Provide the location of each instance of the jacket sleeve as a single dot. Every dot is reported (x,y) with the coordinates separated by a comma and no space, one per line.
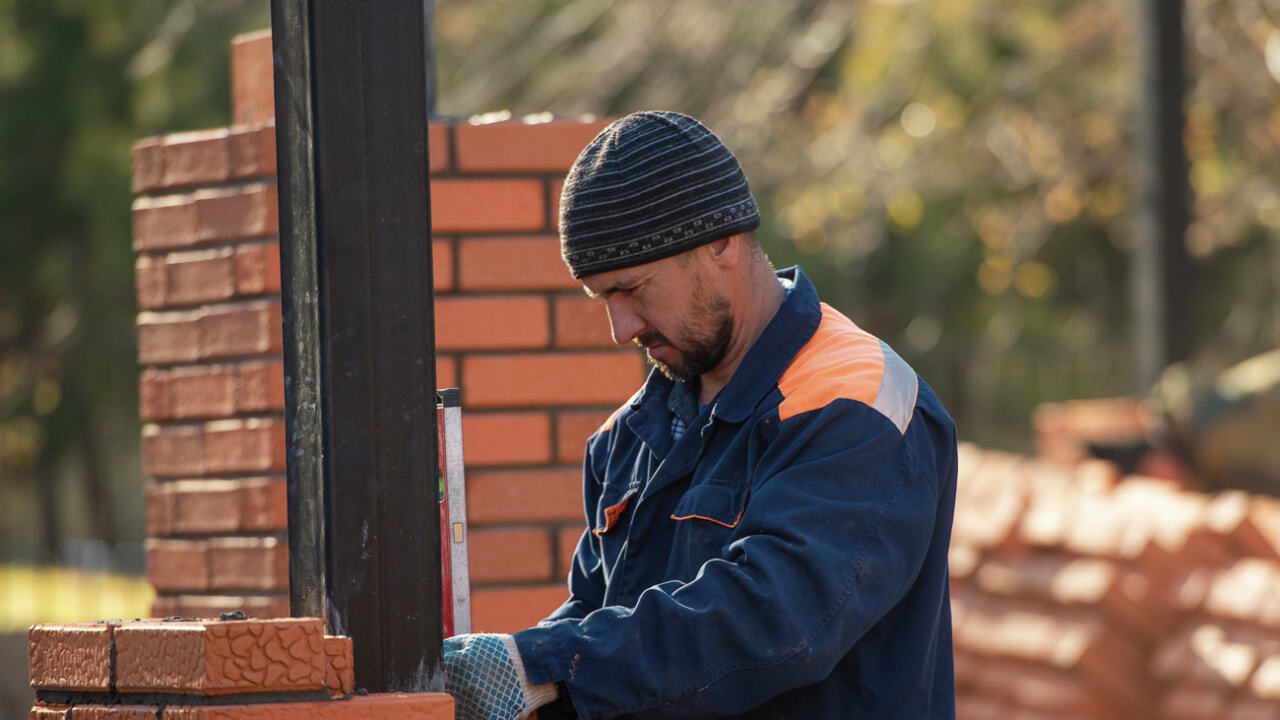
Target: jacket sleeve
(586,579)
(838,522)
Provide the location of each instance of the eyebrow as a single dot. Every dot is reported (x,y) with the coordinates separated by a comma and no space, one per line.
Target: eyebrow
(626,284)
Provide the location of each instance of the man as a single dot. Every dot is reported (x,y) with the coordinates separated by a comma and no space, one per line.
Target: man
(768,517)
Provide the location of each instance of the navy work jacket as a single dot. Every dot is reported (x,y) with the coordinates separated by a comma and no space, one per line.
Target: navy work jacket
(785,558)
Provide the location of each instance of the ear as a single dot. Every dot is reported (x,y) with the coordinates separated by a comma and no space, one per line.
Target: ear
(725,251)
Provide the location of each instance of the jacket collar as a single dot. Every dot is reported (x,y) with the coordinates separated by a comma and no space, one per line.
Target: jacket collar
(795,322)
(791,327)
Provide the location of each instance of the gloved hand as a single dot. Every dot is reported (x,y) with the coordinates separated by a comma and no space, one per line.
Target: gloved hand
(486,678)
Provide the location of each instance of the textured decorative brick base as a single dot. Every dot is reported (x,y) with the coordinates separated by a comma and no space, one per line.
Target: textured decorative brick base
(206,670)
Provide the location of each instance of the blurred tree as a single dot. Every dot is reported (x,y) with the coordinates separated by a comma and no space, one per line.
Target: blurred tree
(80,80)
(957,175)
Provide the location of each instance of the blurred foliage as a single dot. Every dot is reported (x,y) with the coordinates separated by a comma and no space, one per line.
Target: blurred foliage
(30,595)
(957,175)
(80,80)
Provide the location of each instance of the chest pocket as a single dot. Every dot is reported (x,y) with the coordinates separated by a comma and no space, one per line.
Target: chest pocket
(705,520)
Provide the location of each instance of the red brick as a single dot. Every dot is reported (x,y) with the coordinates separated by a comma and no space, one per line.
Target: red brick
(515,263)
(257,268)
(1205,655)
(1265,683)
(446,371)
(581,322)
(1244,590)
(248,564)
(172,450)
(148,164)
(47,711)
(962,563)
(264,505)
(573,427)
(196,158)
(1064,430)
(515,496)
(253,151)
(509,554)
(158,509)
(169,337)
(244,446)
(516,438)
(1192,703)
(492,323)
(260,386)
(217,658)
(1039,688)
(243,329)
(339,666)
(163,222)
(152,280)
(212,606)
(389,706)
(1254,710)
(566,543)
(508,610)
(206,391)
(518,146)
(252,80)
(555,190)
(203,507)
(178,565)
(487,205)
(442,265)
(551,379)
(1058,638)
(980,708)
(199,276)
(69,657)
(1250,523)
(153,395)
(1063,580)
(438,145)
(114,712)
(239,213)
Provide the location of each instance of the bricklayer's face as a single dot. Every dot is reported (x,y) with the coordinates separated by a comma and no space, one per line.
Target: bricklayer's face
(668,308)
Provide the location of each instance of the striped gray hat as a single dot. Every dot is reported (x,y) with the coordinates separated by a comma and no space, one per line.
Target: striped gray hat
(650,186)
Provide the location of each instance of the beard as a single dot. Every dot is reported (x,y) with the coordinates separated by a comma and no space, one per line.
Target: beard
(705,345)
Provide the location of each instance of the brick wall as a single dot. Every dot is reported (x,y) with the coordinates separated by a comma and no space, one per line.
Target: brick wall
(282,669)
(1081,593)
(532,355)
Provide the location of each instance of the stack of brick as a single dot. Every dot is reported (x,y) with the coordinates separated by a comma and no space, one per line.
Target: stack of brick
(532,355)
(1078,593)
(213,670)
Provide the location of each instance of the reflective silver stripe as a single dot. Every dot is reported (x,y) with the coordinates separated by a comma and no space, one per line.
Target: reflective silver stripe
(896,398)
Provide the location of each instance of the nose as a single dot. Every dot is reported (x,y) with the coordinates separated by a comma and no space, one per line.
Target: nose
(624,323)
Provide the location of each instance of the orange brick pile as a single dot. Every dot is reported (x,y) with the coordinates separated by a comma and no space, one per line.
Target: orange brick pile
(213,670)
(1077,593)
(532,355)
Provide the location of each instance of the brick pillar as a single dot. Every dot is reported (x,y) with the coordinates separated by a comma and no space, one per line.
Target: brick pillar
(531,353)
(216,670)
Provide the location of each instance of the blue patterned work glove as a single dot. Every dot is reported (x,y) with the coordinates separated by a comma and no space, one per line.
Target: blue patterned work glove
(486,678)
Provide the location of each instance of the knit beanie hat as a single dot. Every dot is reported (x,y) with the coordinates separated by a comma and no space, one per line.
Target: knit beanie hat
(649,186)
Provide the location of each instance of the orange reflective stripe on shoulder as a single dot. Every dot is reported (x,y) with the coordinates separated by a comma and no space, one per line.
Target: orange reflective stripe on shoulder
(842,360)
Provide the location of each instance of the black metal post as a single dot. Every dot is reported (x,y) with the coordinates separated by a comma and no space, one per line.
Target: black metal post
(351,99)
(1163,273)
